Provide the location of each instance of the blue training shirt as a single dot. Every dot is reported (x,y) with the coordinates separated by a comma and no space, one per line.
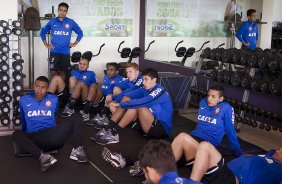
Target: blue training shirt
(213,122)
(258,169)
(174,178)
(37,115)
(248,32)
(157,100)
(126,86)
(109,83)
(88,77)
(61,34)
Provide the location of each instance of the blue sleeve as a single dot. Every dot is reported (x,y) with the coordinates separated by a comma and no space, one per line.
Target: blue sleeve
(78,31)
(94,80)
(74,73)
(133,94)
(240,32)
(22,118)
(142,102)
(123,84)
(230,130)
(44,30)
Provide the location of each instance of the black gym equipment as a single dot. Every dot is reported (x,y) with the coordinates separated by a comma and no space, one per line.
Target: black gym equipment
(5,97)
(18,65)
(17,86)
(274,61)
(17,31)
(3,23)
(17,76)
(261,112)
(4,49)
(4,67)
(16,56)
(4,119)
(4,108)
(16,23)
(4,39)
(3,57)
(4,77)
(4,87)
(76,56)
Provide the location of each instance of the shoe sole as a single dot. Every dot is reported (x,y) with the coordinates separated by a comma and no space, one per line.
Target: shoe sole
(107,156)
(80,161)
(49,165)
(110,142)
(65,116)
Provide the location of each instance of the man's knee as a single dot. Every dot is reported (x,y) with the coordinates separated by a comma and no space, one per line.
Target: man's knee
(205,146)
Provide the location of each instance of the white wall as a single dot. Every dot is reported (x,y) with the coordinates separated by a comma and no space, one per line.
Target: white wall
(8,10)
(266,29)
(277,13)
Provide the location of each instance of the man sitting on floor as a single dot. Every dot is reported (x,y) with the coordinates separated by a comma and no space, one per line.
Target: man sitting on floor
(209,167)
(79,84)
(97,95)
(157,160)
(150,107)
(39,130)
(215,117)
(132,82)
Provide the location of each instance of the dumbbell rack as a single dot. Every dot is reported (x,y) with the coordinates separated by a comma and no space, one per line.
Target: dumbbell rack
(15,87)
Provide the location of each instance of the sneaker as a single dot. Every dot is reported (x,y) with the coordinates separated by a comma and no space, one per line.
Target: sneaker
(136,169)
(46,161)
(85,117)
(108,138)
(78,154)
(67,112)
(115,159)
(96,119)
(99,134)
(103,123)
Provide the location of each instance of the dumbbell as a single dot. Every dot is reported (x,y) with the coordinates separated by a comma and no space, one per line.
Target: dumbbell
(255,82)
(267,115)
(16,108)
(238,115)
(17,76)
(249,114)
(4,49)
(219,77)
(245,81)
(5,120)
(17,96)
(275,127)
(18,65)
(7,98)
(16,23)
(6,31)
(4,108)
(4,39)
(4,67)
(16,120)
(252,59)
(17,86)
(236,78)
(275,87)
(212,54)
(17,31)
(245,108)
(4,23)
(4,77)
(244,57)
(227,76)
(3,57)
(274,61)
(262,126)
(206,53)
(214,74)
(264,85)
(4,87)
(254,119)
(16,56)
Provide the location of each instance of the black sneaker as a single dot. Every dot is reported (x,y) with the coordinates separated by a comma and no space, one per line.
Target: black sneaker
(136,169)
(78,154)
(115,159)
(101,133)
(67,112)
(108,138)
(46,161)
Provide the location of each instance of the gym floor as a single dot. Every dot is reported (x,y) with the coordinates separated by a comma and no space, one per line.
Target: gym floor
(27,169)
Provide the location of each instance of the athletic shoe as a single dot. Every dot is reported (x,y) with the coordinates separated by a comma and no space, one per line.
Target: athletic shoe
(67,112)
(46,161)
(85,117)
(115,159)
(96,119)
(78,154)
(103,123)
(99,134)
(108,138)
(136,169)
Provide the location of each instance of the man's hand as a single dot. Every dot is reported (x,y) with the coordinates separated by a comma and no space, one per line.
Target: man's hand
(109,98)
(247,44)
(49,46)
(113,106)
(73,44)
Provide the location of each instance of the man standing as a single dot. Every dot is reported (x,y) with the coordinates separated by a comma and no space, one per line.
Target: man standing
(248,32)
(61,29)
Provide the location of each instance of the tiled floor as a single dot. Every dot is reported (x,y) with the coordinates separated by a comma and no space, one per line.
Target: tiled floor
(262,138)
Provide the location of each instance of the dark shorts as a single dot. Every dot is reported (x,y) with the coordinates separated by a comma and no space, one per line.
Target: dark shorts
(59,62)
(219,174)
(156,131)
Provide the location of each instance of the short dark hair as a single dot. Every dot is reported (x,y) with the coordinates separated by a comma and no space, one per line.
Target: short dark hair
(218,88)
(151,72)
(114,64)
(158,154)
(250,12)
(63,4)
(43,79)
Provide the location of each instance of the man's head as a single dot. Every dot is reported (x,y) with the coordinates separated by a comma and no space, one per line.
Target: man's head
(63,10)
(40,87)
(112,69)
(83,64)
(132,71)
(278,155)
(252,15)
(150,78)
(215,95)
(156,159)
